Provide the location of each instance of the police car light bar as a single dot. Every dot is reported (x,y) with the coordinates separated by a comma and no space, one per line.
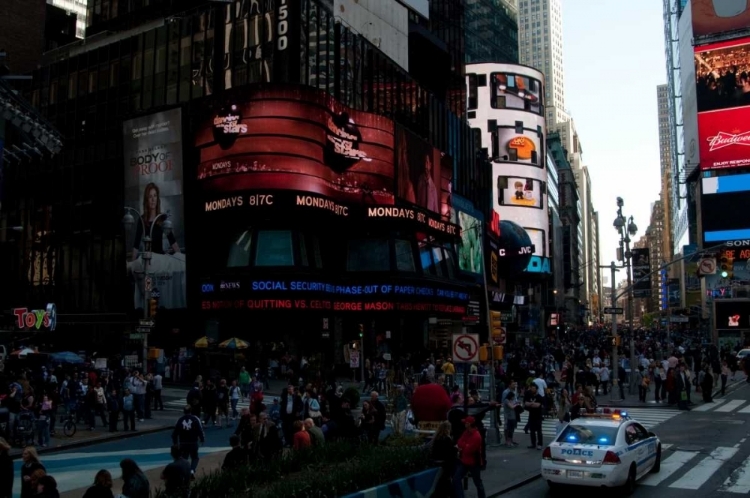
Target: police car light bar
(609,413)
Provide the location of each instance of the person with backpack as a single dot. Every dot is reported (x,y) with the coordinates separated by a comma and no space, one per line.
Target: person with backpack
(187,432)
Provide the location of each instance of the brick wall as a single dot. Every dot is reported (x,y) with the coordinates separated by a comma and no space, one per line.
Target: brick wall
(22,33)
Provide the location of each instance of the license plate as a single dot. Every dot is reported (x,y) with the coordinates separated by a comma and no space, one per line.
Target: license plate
(575,474)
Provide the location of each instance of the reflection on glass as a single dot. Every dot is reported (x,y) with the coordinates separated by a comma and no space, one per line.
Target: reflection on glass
(404,256)
(368,255)
(275,248)
(239,251)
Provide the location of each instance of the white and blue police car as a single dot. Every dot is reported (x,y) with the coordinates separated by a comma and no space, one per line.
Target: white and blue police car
(606,449)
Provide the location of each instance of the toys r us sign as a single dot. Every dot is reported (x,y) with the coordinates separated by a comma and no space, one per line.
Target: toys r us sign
(36,319)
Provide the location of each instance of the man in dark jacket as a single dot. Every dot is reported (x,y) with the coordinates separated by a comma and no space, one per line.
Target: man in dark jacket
(186,434)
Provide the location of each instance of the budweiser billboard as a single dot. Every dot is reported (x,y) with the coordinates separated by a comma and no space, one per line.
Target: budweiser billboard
(722,72)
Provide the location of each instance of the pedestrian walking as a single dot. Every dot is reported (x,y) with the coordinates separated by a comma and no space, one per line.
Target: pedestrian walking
(128,410)
(30,465)
(187,432)
(6,470)
(158,386)
(469,459)
(176,475)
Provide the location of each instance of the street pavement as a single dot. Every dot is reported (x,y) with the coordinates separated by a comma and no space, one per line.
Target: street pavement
(706,451)
(75,469)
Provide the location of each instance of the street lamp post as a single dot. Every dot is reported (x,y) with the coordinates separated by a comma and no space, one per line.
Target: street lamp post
(129,221)
(626,228)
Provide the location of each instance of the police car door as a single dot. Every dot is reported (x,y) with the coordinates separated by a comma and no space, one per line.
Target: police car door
(637,450)
(647,449)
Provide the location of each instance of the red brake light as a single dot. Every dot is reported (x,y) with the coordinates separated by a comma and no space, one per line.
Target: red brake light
(547,454)
(611,458)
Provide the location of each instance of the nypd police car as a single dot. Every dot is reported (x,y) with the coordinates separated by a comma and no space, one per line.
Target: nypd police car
(607,449)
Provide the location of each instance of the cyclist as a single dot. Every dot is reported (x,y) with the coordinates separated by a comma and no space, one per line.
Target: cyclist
(187,432)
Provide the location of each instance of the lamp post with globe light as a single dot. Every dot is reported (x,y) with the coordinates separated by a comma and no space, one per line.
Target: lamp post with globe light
(128,220)
(626,228)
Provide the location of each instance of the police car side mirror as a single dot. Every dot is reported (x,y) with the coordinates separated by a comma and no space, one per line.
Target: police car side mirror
(651,434)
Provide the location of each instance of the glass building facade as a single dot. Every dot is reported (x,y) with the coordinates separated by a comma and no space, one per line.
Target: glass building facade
(491,31)
(143,56)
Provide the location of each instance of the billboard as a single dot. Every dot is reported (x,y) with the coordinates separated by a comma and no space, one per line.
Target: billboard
(515,91)
(517,191)
(283,147)
(519,141)
(722,197)
(152,148)
(717,16)
(673,293)
(731,314)
(424,174)
(722,72)
(641,264)
(469,249)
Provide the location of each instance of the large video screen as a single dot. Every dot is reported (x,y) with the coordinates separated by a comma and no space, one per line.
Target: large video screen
(424,173)
(722,72)
(514,91)
(717,16)
(517,191)
(724,199)
(297,139)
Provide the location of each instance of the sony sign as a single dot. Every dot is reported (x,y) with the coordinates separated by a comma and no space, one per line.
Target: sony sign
(738,243)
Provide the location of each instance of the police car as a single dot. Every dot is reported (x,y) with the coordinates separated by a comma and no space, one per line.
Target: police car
(606,449)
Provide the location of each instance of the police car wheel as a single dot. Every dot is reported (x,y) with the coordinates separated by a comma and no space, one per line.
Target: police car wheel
(657,463)
(629,486)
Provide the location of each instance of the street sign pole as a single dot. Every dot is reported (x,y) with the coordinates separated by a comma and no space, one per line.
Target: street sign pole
(615,374)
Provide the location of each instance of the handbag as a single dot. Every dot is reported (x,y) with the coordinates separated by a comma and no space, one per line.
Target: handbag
(683,396)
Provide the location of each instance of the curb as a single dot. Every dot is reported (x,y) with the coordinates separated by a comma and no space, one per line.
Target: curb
(93,441)
(515,485)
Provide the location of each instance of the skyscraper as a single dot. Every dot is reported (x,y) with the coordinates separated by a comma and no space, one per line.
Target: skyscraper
(491,31)
(665,149)
(540,43)
(79,8)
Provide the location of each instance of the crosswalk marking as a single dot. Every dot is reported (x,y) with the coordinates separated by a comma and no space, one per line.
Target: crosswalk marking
(698,475)
(732,405)
(709,406)
(739,480)
(669,467)
(745,410)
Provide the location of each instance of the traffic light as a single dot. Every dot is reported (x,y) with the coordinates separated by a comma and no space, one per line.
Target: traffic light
(152,305)
(361,330)
(727,265)
(497,353)
(496,323)
(483,352)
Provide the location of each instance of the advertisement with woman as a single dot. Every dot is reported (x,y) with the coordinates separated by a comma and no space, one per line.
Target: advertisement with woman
(154,203)
(424,174)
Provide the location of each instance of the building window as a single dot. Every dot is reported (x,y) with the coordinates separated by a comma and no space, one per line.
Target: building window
(368,255)
(239,251)
(275,248)
(404,256)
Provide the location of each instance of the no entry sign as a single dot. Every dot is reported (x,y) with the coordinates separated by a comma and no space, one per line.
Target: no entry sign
(465,348)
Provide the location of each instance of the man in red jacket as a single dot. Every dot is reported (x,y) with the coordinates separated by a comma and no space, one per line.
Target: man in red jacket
(469,459)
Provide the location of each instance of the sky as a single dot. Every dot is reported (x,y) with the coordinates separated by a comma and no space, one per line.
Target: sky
(613,57)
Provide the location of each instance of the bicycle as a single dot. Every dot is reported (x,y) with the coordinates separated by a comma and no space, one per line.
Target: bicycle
(69,425)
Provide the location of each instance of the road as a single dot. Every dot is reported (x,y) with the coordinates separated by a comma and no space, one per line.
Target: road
(74,469)
(706,453)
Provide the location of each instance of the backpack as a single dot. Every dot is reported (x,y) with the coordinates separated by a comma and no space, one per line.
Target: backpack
(314,405)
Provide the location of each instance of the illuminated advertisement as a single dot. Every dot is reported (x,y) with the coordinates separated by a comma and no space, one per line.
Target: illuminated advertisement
(424,174)
(152,148)
(732,314)
(522,200)
(519,192)
(297,294)
(723,93)
(673,293)
(469,249)
(641,264)
(717,16)
(292,147)
(514,91)
(519,143)
(722,195)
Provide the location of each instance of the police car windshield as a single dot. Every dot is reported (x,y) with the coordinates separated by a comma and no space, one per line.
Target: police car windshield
(587,434)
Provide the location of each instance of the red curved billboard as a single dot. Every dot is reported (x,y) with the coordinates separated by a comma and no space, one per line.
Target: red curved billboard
(297,139)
